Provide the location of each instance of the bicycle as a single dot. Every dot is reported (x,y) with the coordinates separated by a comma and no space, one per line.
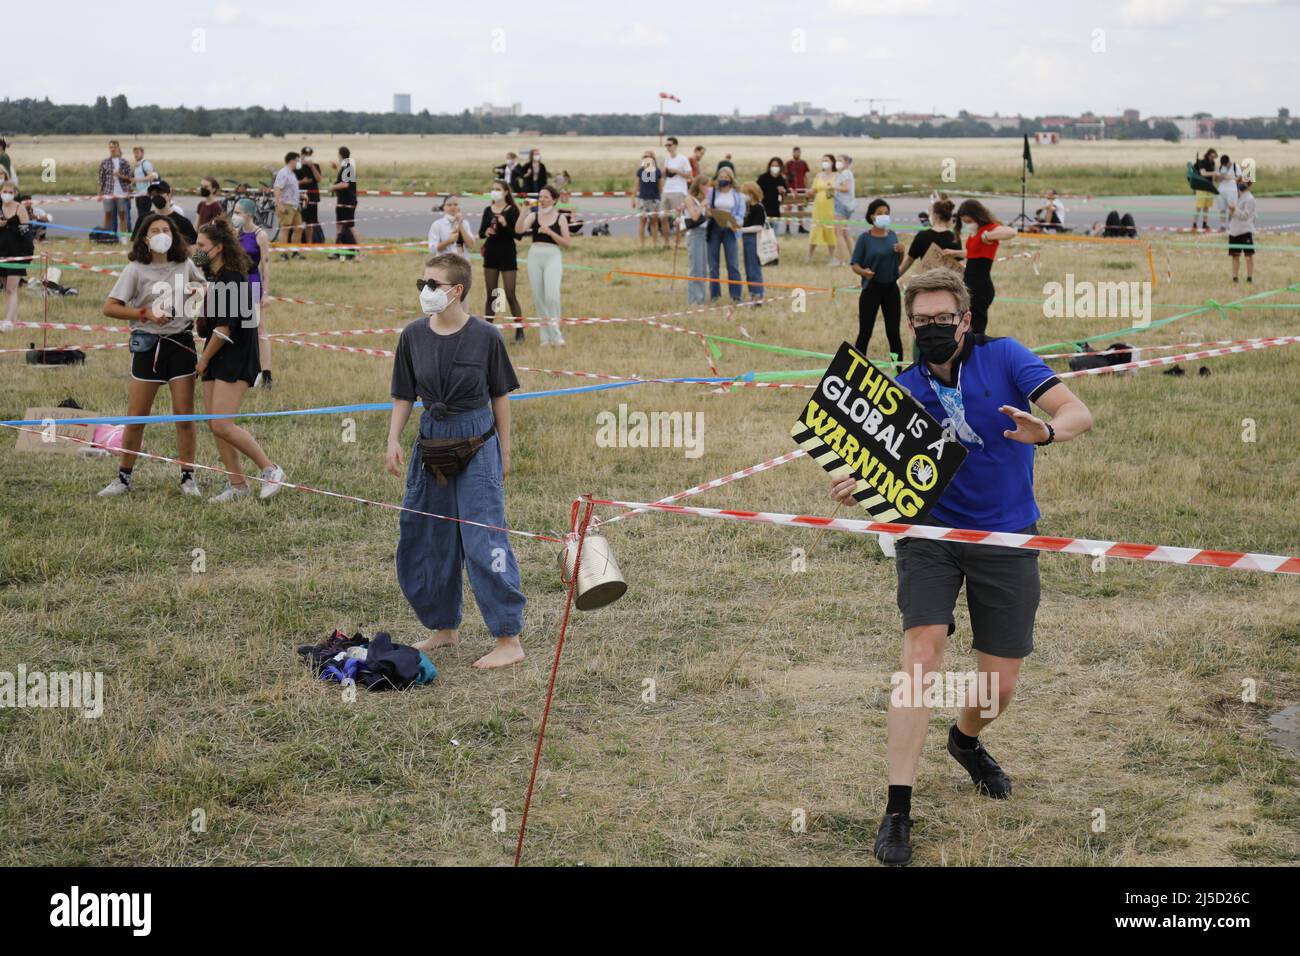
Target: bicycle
(264,197)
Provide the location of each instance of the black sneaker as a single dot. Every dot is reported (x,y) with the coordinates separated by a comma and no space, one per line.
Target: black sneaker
(519,335)
(894,840)
(983,769)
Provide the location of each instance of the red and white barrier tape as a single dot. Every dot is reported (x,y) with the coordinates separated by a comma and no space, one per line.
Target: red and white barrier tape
(1185,357)
(298,487)
(1158,348)
(1201,557)
(709,485)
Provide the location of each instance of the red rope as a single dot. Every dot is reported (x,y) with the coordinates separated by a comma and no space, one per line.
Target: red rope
(555,669)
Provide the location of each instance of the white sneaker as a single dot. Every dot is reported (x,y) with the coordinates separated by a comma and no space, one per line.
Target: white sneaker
(231,493)
(114,488)
(560,341)
(6,326)
(271,478)
(190,487)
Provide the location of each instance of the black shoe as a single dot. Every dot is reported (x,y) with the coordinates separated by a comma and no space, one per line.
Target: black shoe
(519,335)
(803,231)
(266,379)
(1175,371)
(894,840)
(983,769)
(298,255)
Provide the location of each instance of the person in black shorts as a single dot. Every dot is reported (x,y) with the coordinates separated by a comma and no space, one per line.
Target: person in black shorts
(309,176)
(980,389)
(229,363)
(1241,231)
(344,189)
(154,294)
(500,255)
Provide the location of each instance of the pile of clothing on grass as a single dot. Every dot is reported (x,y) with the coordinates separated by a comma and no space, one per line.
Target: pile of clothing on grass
(376,664)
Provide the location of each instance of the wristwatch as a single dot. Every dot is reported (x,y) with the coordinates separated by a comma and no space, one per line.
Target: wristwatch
(1051,435)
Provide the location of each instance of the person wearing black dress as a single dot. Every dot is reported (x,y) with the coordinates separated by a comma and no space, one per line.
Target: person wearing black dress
(500,258)
(229,362)
(15,240)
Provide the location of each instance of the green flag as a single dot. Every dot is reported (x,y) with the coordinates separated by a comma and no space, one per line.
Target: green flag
(1029,159)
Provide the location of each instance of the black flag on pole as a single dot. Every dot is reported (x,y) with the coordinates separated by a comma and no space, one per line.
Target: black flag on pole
(1029,159)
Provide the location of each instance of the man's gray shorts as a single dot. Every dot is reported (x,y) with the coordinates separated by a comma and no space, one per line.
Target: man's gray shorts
(1002,590)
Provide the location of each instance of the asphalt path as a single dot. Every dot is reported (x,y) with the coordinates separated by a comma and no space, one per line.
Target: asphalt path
(382,218)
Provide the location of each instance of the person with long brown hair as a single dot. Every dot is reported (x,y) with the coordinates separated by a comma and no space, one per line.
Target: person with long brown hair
(229,363)
(981,250)
(500,255)
(151,295)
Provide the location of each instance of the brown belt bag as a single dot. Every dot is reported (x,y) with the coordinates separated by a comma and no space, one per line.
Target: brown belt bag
(447,457)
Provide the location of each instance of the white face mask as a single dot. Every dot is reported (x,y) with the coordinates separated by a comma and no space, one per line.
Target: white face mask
(826,164)
(497,195)
(237,221)
(434,301)
(7,197)
(882,220)
(160,242)
(774,170)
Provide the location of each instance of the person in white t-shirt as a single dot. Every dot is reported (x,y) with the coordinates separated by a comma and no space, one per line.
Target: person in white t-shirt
(677,180)
(1226,179)
(451,233)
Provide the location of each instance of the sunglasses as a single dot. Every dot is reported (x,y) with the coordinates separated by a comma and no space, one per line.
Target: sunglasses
(423,284)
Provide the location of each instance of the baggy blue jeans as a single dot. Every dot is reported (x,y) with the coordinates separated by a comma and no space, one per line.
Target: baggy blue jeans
(724,241)
(431,552)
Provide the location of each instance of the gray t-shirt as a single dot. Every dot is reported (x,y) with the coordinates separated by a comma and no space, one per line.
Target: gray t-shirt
(143,283)
(463,371)
(286,180)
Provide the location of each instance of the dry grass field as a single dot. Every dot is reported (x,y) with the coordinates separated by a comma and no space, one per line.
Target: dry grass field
(463,163)
(1131,703)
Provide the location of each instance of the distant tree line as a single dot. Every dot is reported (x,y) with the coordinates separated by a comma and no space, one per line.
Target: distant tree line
(116,116)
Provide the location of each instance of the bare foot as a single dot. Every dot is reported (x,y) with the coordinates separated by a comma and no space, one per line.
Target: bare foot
(508,651)
(447,637)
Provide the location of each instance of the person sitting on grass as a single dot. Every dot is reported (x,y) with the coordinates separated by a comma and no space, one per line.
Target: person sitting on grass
(457,365)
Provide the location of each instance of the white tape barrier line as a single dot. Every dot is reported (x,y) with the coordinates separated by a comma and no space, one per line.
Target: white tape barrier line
(1201,557)
(709,485)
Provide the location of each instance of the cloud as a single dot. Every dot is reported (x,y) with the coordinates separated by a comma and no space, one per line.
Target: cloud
(1148,13)
(892,8)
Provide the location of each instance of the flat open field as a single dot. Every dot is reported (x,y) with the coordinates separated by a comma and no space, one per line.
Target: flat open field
(1131,703)
(464,163)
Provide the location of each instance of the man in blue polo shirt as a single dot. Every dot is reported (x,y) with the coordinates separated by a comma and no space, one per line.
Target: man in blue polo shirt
(979,388)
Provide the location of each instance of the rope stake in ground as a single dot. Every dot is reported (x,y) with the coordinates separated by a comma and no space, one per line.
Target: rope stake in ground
(1168,554)
(555,669)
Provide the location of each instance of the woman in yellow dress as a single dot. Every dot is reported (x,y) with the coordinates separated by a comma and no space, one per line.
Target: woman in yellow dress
(823,191)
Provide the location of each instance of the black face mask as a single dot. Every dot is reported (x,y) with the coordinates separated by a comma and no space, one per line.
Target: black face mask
(937,343)
(158,201)
(205,192)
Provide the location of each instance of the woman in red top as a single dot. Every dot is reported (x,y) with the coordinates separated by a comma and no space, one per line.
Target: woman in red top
(981,249)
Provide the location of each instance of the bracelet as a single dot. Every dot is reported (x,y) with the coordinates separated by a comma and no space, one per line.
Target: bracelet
(1051,435)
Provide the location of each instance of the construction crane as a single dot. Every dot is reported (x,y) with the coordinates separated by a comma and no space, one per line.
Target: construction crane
(871,101)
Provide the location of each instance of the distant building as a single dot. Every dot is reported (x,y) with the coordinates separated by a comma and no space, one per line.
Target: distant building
(488,109)
(1188,127)
(402,104)
(918,119)
(803,111)
(999,122)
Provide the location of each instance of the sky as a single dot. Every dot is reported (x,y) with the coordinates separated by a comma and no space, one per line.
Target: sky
(1033,57)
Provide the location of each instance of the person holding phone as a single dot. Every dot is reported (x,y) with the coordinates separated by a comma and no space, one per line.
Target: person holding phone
(500,256)
(154,295)
(451,233)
